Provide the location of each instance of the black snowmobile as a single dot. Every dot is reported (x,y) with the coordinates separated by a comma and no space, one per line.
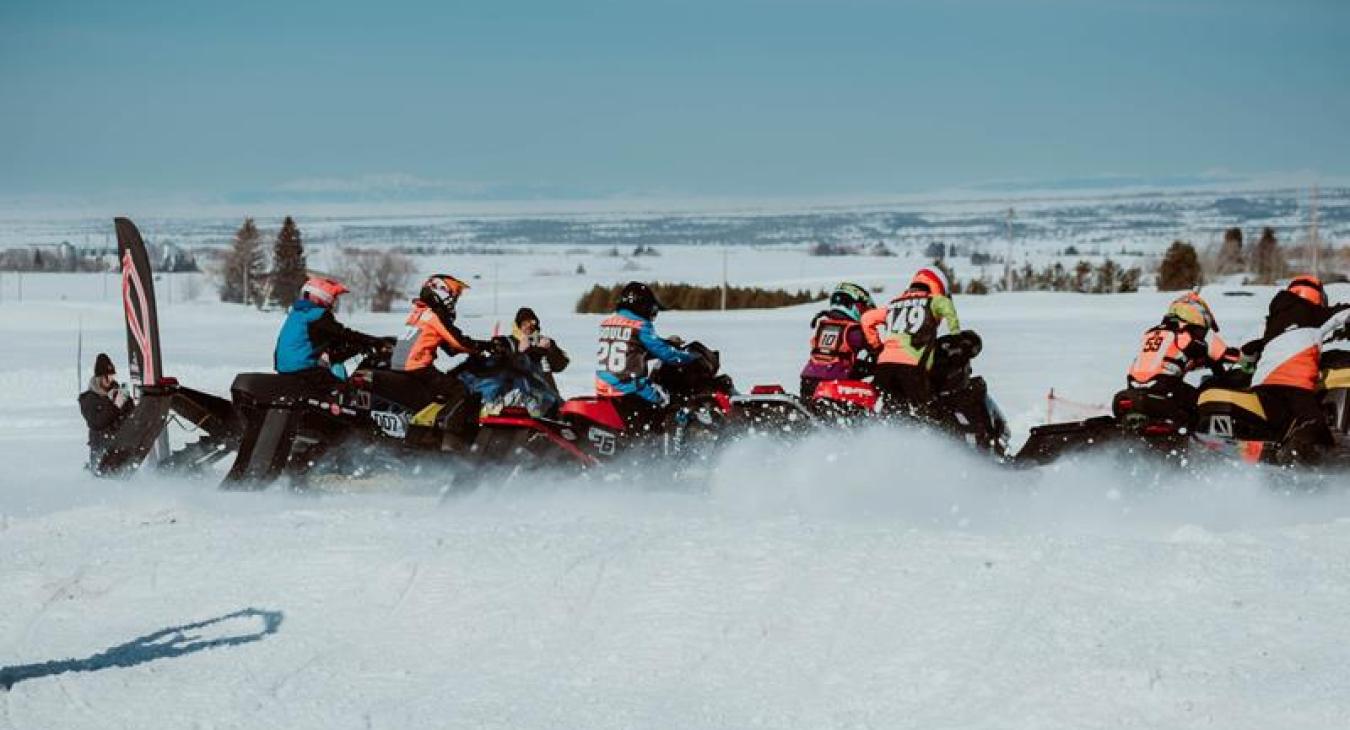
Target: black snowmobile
(1231,423)
(311,423)
(1227,420)
(963,403)
(1154,419)
(159,399)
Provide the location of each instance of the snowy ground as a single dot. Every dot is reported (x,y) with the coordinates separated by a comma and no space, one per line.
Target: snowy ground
(885,580)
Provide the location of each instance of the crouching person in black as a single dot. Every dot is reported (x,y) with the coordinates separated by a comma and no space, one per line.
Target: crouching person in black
(105,406)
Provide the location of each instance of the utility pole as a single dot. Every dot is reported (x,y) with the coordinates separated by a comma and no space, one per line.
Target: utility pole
(1007,262)
(724,280)
(1312,237)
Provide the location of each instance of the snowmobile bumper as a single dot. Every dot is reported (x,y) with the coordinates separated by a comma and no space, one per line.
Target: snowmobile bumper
(213,416)
(1050,442)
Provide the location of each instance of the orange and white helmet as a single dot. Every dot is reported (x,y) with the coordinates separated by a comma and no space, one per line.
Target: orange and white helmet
(441,290)
(323,291)
(1309,288)
(933,278)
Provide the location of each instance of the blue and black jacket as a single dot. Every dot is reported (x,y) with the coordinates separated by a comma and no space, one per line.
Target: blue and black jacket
(627,341)
(310,331)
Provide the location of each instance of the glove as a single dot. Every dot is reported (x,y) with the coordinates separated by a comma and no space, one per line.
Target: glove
(676,341)
(662,397)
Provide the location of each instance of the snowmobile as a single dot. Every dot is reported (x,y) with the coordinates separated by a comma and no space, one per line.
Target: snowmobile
(1227,420)
(963,405)
(311,423)
(1230,421)
(590,431)
(159,399)
(769,409)
(1153,418)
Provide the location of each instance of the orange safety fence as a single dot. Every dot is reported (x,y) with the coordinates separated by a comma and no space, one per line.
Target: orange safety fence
(1071,409)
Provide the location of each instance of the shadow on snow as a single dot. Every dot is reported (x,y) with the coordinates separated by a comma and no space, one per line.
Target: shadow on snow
(163,644)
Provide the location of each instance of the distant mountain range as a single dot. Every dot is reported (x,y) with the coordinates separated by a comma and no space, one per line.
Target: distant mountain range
(1137,221)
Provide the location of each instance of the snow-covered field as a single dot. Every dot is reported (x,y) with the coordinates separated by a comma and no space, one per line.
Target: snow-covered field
(881,580)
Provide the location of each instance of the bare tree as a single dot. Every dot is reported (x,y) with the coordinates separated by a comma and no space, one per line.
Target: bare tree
(1271,263)
(243,268)
(376,278)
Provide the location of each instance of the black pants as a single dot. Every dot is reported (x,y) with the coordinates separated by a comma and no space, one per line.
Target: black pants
(808,387)
(908,389)
(1296,416)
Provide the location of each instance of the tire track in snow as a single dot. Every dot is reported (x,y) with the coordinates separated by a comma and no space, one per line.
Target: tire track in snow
(407,588)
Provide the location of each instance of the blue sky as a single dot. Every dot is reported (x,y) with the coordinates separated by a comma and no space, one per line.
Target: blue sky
(575,99)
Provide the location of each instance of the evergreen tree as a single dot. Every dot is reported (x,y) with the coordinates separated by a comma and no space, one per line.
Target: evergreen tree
(243,267)
(288,264)
(1180,268)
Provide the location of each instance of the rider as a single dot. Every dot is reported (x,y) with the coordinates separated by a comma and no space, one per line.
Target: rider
(1288,364)
(1187,338)
(430,330)
(627,341)
(311,339)
(905,332)
(838,348)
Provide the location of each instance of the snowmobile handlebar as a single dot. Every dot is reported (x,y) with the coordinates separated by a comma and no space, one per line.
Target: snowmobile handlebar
(960,346)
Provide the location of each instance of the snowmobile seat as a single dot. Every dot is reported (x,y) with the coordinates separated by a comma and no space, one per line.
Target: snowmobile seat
(593,409)
(406,390)
(1336,359)
(1246,400)
(270,390)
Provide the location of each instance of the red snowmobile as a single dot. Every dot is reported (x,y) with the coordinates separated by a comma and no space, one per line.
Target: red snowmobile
(964,407)
(589,431)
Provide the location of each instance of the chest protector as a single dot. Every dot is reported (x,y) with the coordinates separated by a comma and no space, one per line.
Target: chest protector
(1161,352)
(621,352)
(910,319)
(829,344)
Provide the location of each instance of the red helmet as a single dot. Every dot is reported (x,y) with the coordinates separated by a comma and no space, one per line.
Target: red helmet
(323,291)
(1309,288)
(933,278)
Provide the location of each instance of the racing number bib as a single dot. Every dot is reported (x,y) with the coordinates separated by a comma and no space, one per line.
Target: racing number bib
(621,353)
(912,319)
